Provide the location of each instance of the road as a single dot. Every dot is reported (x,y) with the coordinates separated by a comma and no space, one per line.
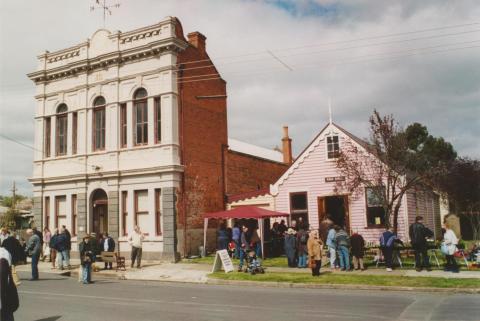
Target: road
(59,298)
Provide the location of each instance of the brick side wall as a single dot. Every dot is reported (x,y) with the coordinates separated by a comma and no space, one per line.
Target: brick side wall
(246,173)
(203,135)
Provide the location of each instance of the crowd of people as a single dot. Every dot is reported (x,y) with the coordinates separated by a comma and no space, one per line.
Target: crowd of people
(303,246)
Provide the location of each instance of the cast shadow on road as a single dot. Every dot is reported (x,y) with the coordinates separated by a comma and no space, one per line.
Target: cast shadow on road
(42,279)
(55,318)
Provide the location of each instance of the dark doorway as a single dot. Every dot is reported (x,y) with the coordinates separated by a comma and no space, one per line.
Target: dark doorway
(100,212)
(337,208)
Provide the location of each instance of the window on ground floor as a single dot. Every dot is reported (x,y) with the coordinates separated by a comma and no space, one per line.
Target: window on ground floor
(60,211)
(374,206)
(124,213)
(299,208)
(141,210)
(158,212)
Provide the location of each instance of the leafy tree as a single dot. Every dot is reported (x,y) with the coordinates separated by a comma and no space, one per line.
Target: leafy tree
(9,219)
(7,201)
(462,189)
(393,161)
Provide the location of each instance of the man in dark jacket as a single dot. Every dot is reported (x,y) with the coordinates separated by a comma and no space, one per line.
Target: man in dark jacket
(68,237)
(8,292)
(87,257)
(108,245)
(61,246)
(245,244)
(418,236)
(13,246)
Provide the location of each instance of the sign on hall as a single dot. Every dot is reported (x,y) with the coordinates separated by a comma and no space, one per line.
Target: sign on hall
(222,259)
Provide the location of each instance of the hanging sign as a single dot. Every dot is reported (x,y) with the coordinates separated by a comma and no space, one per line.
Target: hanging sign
(222,259)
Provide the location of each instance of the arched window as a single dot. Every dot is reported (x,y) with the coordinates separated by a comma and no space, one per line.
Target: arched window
(61,130)
(140,115)
(99,123)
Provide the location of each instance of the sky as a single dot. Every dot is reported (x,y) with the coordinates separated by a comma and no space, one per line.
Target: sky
(417,60)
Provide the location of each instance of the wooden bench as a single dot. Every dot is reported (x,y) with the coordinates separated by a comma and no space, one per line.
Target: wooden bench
(112,257)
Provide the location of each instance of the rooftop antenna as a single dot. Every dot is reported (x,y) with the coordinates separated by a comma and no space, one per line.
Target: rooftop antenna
(106,8)
(330,110)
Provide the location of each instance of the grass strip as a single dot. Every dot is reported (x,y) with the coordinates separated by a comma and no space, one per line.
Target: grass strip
(332,278)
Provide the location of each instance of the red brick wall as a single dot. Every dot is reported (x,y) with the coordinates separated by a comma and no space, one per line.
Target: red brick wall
(203,132)
(246,173)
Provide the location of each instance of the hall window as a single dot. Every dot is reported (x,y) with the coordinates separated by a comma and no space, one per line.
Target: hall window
(124,213)
(299,206)
(158,120)
(141,209)
(74,132)
(47,211)
(60,211)
(374,202)
(74,214)
(61,130)
(158,212)
(333,148)
(48,136)
(99,124)
(123,125)
(140,115)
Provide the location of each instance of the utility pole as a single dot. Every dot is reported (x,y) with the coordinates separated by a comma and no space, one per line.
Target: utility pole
(14,195)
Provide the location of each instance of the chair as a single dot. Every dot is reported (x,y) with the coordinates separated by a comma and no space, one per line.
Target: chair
(120,263)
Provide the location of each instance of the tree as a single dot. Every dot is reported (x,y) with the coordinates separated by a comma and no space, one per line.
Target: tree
(392,162)
(461,186)
(8,220)
(7,201)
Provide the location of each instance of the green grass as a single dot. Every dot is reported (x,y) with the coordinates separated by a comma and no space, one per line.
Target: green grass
(332,278)
(269,262)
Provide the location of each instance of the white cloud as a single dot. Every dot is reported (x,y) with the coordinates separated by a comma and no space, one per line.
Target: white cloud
(439,90)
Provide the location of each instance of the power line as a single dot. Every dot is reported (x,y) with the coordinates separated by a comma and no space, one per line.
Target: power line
(339,42)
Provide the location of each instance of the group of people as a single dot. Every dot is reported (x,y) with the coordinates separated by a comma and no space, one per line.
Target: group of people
(56,247)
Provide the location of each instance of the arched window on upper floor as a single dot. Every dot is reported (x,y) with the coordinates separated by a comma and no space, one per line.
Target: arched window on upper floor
(98,139)
(61,130)
(140,117)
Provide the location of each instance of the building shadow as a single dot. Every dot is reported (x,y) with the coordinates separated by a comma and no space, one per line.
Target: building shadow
(54,318)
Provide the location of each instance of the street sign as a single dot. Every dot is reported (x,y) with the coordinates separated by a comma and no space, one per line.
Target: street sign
(222,259)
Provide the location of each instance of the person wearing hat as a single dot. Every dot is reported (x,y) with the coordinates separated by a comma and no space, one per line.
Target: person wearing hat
(418,236)
(290,245)
(86,259)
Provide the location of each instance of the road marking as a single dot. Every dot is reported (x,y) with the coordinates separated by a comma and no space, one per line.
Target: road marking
(219,306)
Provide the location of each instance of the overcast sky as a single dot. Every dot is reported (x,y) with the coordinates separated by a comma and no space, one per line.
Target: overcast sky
(419,60)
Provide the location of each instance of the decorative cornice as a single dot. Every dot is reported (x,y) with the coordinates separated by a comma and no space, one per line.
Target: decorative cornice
(159,47)
(109,174)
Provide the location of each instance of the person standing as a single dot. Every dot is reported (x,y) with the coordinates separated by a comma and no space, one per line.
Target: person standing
(325,227)
(342,241)
(358,249)
(387,244)
(222,237)
(418,235)
(13,246)
(449,247)
(108,246)
(60,245)
(68,243)
(33,249)
(302,250)
(256,243)
(9,301)
(314,248)
(136,240)
(53,250)
(236,234)
(332,247)
(86,259)
(290,245)
(245,246)
(47,236)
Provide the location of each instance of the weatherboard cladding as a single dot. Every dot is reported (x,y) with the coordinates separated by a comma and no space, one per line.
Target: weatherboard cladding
(308,175)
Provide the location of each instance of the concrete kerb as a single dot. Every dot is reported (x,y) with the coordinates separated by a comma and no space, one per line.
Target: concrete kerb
(214,281)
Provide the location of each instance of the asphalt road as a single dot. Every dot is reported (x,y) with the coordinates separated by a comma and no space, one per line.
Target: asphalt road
(63,299)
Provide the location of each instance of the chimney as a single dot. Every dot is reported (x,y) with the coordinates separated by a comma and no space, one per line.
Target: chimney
(286,147)
(197,40)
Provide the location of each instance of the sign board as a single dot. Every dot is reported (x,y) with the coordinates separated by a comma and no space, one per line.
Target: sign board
(222,259)
(334,179)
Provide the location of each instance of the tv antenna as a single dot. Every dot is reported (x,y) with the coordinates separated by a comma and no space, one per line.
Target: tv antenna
(106,8)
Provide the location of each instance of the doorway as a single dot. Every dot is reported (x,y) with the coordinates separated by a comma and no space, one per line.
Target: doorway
(99,212)
(336,207)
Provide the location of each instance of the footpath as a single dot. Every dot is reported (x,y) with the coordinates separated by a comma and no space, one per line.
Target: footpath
(199,273)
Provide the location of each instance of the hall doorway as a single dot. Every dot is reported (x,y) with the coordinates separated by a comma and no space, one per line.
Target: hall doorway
(337,208)
(99,212)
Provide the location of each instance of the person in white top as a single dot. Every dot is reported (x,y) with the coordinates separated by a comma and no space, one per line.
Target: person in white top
(450,241)
(135,240)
